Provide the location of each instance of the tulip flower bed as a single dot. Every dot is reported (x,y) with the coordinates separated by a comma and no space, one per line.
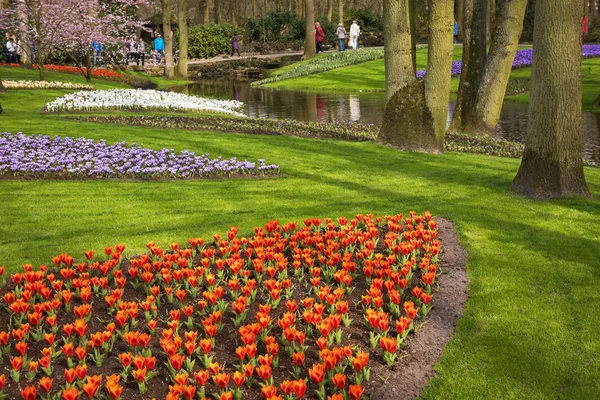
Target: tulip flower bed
(44,85)
(41,156)
(140,100)
(312,310)
(523,58)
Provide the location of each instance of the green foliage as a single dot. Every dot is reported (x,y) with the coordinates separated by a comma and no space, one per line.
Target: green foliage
(527,35)
(274,26)
(206,41)
(593,30)
(325,63)
(367,19)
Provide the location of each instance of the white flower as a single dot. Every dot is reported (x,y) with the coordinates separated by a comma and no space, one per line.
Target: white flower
(140,100)
(43,85)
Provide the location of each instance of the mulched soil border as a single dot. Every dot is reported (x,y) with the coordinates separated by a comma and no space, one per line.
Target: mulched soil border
(411,374)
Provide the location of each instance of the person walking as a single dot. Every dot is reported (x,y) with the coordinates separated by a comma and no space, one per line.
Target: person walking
(319,37)
(141,52)
(354,34)
(341,35)
(97,52)
(159,48)
(235,44)
(11,49)
(455,32)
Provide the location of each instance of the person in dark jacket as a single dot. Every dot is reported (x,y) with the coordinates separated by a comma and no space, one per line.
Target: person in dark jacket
(319,37)
(235,44)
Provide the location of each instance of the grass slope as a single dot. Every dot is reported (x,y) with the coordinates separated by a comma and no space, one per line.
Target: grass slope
(370,76)
(530,327)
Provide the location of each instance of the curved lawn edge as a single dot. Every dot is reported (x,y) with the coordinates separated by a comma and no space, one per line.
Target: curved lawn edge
(411,375)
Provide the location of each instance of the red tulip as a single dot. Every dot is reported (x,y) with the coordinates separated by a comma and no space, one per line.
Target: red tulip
(299,388)
(355,391)
(29,393)
(70,394)
(317,372)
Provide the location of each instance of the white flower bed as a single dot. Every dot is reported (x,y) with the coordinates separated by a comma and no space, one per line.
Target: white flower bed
(140,100)
(43,85)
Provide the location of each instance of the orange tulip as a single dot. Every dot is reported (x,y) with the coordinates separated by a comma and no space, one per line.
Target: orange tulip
(355,391)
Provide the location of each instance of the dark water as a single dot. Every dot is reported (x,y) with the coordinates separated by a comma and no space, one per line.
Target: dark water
(364,108)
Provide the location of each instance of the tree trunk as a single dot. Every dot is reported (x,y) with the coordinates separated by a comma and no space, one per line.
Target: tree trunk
(254,8)
(593,6)
(460,16)
(413,32)
(491,20)
(329,10)
(182,63)
(340,11)
(399,69)
(24,47)
(552,164)
(310,49)
(216,11)
(168,38)
(473,61)
(485,117)
(407,122)
(439,65)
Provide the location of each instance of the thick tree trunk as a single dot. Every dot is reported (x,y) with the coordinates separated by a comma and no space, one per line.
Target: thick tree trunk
(473,61)
(460,16)
(552,164)
(399,69)
(439,66)
(182,63)
(484,119)
(254,8)
(408,122)
(340,11)
(491,20)
(168,38)
(310,48)
(329,10)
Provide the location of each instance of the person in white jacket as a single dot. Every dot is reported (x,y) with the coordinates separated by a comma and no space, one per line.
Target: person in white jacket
(354,34)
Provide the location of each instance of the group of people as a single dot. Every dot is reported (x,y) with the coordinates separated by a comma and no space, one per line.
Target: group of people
(134,51)
(14,49)
(341,36)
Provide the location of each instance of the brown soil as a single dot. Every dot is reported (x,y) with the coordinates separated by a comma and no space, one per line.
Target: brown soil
(403,380)
(407,378)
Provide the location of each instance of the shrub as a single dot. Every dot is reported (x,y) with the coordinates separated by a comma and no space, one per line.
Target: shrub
(207,41)
(593,34)
(367,19)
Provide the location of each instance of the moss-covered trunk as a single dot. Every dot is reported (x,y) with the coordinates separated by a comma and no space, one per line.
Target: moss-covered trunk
(552,164)
(168,38)
(439,66)
(182,63)
(329,10)
(340,11)
(399,69)
(310,48)
(509,24)
(473,61)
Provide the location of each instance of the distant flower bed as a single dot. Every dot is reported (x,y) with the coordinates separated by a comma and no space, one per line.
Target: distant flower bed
(44,85)
(140,100)
(43,156)
(523,58)
(459,142)
(96,72)
(326,63)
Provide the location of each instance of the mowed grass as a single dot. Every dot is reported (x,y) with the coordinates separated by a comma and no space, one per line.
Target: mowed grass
(530,328)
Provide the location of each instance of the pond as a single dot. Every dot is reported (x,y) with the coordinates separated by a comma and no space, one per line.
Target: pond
(364,108)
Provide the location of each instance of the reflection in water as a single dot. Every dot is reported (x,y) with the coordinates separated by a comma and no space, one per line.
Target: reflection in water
(364,108)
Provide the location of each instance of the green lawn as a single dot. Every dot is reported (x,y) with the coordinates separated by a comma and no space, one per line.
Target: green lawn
(530,327)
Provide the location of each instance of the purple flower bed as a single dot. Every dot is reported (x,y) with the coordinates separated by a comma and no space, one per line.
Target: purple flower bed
(523,58)
(43,156)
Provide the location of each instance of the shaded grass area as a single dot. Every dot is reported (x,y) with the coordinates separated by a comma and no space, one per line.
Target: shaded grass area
(530,326)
